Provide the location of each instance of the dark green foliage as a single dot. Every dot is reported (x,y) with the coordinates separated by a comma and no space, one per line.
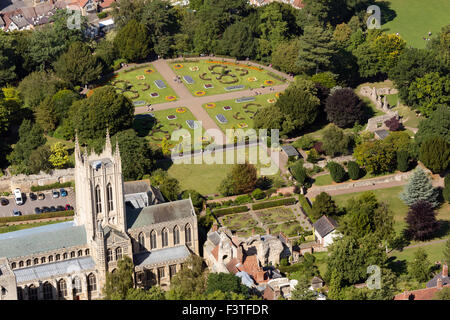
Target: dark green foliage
(447,252)
(438,125)
(241,179)
(132,42)
(302,291)
(258,194)
(323,205)
(420,268)
(30,217)
(121,281)
(238,41)
(344,108)
(435,154)
(275,203)
(354,171)
(304,203)
(39,160)
(305,143)
(223,212)
(337,171)
(197,199)
(56,185)
(403,160)
(225,282)
(299,172)
(335,141)
(446,190)
(169,187)
(421,220)
(443,294)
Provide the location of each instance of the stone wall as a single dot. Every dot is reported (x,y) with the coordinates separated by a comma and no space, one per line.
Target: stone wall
(24,182)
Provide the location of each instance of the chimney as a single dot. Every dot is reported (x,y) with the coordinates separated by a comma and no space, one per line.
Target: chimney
(439,283)
(240,254)
(445,270)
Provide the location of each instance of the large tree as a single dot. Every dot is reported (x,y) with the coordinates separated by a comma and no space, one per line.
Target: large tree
(133,41)
(344,108)
(420,267)
(376,156)
(435,154)
(225,282)
(121,281)
(335,141)
(438,124)
(421,220)
(419,187)
(190,282)
(323,205)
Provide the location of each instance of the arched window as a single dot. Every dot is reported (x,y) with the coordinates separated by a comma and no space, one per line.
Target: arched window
(153,240)
(62,288)
(79,253)
(50,258)
(86,252)
(109,255)
(28,262)
(32,293)
(72,254)
(118,253)
(13,265)
(36,261)
(76,285)
(57,257)
(20,264)
(176,235)
(43,260)
(92,283)
(48,291)
(65,255)
(141,240)
(98,200)
(109,194)
(165,238)
(188,234)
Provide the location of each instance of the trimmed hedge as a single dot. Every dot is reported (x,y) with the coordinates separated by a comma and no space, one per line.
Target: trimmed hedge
(55,185)
(223,212)
(68,213)
(276,203)
(305,204)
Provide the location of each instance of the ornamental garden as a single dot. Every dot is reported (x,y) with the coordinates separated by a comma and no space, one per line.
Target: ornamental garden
(210,77)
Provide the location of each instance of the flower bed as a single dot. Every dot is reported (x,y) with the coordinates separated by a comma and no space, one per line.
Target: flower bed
(178,66)
(252,79)
(181,110)
(148,71)
(140,77)
(210,105)
(208,86)
(276,203)
(271,100)
(171,98)
(171,117)
(200,93)
(154,94)
(227,108)
(269,82)
(195,68)
(242,125)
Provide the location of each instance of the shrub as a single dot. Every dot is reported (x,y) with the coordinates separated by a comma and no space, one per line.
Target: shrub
(313,156)
(318,146)
(117,64)
(55,185)
(393,124)
(446,190)
(305,143)
(337,172)
(354,171)
(223,212)
(271,204)
(304,203)
(402,160)
(102,15)
(299,172)
(435,154)
(243,199)
(258,194)
(30,217)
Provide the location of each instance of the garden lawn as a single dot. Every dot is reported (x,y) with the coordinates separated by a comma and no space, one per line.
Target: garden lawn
(323,180)
(195,69)
(412,120)
(415,18)
(434,251)
(275,215)
(204,178)
(290,228)
(143,87)
(241,113)
(238,221)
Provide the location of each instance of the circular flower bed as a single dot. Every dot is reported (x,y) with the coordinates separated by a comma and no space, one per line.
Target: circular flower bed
(271,100)
(171,98)
(141,77)
(178,66)
(195,68)
(210,105)
(181,110)
(269,82)
(149,71)
(200,93)
(154,94)
(242,125)
(171,117)
(252,79)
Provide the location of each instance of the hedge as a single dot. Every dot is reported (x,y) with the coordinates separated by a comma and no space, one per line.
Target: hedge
(305,204)
(68,213)
(223,212)
(55,185)
(276,203)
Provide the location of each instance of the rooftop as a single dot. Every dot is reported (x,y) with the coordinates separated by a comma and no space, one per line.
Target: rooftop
(290,150)
(325,225)
(161,256)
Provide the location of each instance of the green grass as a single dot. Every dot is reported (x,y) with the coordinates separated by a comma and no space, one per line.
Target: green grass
(239,221)
(434,251)
(274,215)
(323,180)
(409,115)
(17,227)
(238,111)
(415,18)
(290,228)
(204,178)
(144,95)
(218,87)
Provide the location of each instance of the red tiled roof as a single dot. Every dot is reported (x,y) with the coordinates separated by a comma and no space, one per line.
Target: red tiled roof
(231,266)
(421,294)
(268,294)
(215,252)
(106,3)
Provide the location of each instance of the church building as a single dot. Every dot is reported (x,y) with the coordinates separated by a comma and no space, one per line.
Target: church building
(113,219)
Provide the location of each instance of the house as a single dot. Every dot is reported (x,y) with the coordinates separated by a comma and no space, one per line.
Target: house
(290,152)
(316,283)
(16,20)
(325,230)
(433,286)
(85,6)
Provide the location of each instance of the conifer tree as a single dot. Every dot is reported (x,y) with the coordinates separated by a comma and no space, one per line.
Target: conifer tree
(418,188)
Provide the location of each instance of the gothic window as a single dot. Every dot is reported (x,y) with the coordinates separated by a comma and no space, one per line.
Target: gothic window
(57,257)
(98,200)
(13,265)
(141,240)
(28,262)
(62,288)
(165,238)
(161,272)
(72,254)
(118,253)
(76,285)
(86,252)
(43,260)
(48,291)
(92,283)
(36,261)
(80,253)
(176,235)
(20,264)
(188,234)
(172,270)
(32,293)
(65,255)
(50,258)
(109,255)
(153,240)
(109,194)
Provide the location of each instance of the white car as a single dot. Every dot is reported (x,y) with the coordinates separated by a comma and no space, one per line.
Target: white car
(18,197)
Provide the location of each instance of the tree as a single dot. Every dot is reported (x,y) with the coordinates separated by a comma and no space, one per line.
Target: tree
(326,79)
(59,156)
(421,220)
(419,267)
(121,281)
(393,124)
(447,252)
(323,205)
(443,294)
(302,291)
(403,160)
(438,124)
(335,141)
(435,154)
(154,293)
(241,179)
(39,160)
(344,108)
(429,92)
(170,188)
(354,172)
(190,282)
(446,190)
(376,156)
(299,172)
(105,108)
(238,41)
(225,282)
(383,223)
(132,42)
(418,188)
(337,171)
(197,199)
(284,56)
(78,65)
(8,110)
(316,49)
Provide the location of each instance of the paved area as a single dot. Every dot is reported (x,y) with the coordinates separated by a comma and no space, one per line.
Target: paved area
(29,205)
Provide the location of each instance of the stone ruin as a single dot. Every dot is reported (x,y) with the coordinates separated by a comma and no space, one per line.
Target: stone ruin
(375,94)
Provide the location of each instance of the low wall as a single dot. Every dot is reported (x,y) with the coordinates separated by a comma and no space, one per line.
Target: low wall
(24,182)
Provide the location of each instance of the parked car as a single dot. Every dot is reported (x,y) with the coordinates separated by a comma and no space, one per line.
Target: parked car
(37,210)
(16,213)
(45,209)
(68,207)
(60,208)
(33,196)
(55,194)
(52,209)
(63,192)
(41,196)
(18,197)
(4,201)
